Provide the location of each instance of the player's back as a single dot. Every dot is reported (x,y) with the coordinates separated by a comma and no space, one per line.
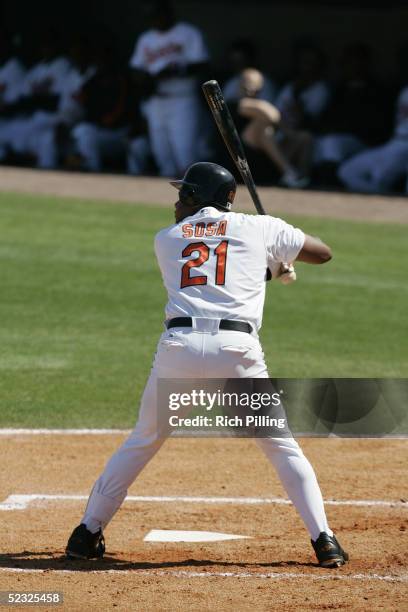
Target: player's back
(214,264)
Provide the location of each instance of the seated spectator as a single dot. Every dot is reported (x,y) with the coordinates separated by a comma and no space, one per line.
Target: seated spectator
(261,129)
(52,134)
(37,104)
(108,112)
(302,101)
(139,151)
(242,54)
(12,72)
(355,116)
(171,54)
(378,170)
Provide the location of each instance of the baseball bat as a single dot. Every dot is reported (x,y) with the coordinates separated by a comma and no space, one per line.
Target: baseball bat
(228,131)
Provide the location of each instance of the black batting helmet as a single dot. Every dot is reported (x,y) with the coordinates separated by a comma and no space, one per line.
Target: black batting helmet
(207,184)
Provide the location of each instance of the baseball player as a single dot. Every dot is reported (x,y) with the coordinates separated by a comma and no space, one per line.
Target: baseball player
(171,54)
(377,170)
(35,109)
(213,263)
(262,130)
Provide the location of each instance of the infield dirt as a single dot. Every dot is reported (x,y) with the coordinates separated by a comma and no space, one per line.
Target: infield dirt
(275,569)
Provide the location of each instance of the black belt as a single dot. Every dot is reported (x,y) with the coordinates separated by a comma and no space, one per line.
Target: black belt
(227,324)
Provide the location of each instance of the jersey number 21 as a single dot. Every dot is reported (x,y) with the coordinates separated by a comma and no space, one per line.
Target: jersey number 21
(203,252)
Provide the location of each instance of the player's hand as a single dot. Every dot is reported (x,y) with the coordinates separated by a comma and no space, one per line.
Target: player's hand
(285,272)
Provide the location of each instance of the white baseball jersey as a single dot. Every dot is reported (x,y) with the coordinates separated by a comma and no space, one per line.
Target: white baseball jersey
(70,109)
(314,98)
(214,263)
(11,78)
(181,45)
(48,75)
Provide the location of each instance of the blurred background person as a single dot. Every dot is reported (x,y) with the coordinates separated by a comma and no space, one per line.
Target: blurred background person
(138,153)
(12,72)
(378,170)
(51,135)
(303,100)
(242,54)
(38,99)
(107,107)
(355,117)
(260,126)
(171,56)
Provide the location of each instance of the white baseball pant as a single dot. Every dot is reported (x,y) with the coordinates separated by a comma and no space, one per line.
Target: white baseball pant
(138,152)
(173,132)
(34,135)
(93,143)
(336,148)
(376,170)
(203,353)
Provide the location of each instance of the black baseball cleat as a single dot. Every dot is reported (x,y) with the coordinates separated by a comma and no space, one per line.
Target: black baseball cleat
(328,551)
(83,544)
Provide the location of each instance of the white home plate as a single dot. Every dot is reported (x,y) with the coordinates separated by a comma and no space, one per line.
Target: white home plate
(170,535)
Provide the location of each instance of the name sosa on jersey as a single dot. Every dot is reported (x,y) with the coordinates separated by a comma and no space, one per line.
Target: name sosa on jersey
(199,230)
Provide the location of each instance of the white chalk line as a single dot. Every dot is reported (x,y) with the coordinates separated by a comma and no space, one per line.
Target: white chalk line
(112,432)
(21,502)
(62,432)
(186,574)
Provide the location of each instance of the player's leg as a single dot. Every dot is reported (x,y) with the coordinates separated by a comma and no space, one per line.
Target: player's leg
(158,119)
(336,148)
(299,481)
(17,134)
(138,152)
(6,133)
(87,143)
(183,131)
(357,172)
(297,145)
(232,354)
(127,462)
(175,354)
(87,541)
(392,165)
(42,143)
(261,136)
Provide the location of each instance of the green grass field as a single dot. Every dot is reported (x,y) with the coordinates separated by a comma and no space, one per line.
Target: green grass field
(82,308)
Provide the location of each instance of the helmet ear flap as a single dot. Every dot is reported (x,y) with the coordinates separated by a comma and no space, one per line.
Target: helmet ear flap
(188,194)
(231,196)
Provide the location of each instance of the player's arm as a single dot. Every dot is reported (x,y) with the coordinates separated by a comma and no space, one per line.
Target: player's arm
(251,108)
(314,251)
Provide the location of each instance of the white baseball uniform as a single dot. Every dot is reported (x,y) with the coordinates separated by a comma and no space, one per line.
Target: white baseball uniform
(11,78)
(313,98)
(213,266)
(173,111)
(29,134)
(377,170)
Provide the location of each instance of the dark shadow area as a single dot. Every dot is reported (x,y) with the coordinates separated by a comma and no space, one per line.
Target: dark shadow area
(30,560)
